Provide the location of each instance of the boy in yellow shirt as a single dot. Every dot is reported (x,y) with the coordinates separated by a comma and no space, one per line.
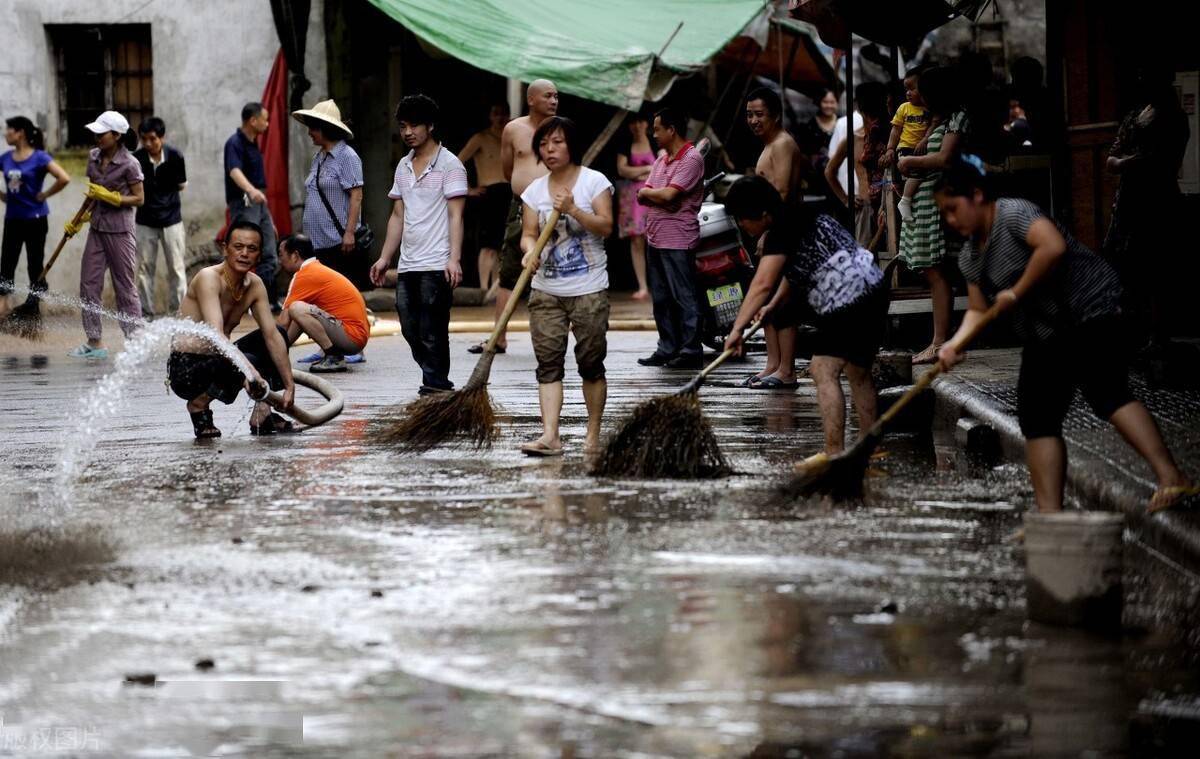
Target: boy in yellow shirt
(910,127)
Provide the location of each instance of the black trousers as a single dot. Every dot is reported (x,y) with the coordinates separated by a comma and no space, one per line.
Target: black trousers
(423,300)
(30,233)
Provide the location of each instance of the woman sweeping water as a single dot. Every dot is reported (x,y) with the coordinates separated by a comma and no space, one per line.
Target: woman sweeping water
(1065,302)
(570,287)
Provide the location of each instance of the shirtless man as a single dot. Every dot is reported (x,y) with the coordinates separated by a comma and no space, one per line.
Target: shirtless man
(220,296)
(521,166)
(493,193)
(780,164)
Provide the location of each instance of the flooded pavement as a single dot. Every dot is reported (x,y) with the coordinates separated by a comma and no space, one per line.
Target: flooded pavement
(312,595)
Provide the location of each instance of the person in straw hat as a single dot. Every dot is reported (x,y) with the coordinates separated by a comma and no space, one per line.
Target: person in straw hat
(334,195)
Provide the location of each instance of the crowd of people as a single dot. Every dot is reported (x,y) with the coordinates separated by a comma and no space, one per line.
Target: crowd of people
(935,143)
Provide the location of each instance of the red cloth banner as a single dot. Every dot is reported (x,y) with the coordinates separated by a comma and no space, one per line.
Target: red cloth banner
(274,146)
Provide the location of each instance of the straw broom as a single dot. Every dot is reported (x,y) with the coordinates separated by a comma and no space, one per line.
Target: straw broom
(841,476)
(465,416)
(25,321)
(668,436)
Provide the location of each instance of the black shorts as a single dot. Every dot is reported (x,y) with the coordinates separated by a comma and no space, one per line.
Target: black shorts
(493,215)
(195,374)
(854,333)
(791,313)
(1091,357)
(510,250)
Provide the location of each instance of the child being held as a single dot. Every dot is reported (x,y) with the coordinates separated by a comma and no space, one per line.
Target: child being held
(910,132)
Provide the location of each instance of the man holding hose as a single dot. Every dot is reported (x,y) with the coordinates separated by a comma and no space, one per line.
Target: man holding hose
(220,296)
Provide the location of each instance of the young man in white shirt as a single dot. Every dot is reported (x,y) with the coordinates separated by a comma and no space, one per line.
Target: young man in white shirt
(426,225)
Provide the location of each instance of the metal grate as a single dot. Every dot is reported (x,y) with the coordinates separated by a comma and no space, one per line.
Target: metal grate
(101,68)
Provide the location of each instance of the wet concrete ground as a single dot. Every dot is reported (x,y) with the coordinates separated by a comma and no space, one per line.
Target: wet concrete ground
(357,602)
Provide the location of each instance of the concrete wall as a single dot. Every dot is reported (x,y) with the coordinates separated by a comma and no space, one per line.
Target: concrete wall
(1025,33)
(209,58)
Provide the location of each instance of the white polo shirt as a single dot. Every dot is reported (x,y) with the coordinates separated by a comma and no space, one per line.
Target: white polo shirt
(426,242)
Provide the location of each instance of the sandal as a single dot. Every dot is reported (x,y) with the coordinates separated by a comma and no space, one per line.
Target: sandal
(927,356)
(202,425)
(273,424)
(480,347)
(1165,498)
(538,449)
(774,383)
(750,381)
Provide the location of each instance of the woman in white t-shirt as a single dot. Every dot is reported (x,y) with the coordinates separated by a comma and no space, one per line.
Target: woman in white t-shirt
(570,286)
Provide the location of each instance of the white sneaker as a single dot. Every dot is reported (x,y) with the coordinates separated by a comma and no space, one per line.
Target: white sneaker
(83,350)
(906,209)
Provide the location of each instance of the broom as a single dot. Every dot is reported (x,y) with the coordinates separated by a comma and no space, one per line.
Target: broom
(668,436)
(841,476)
(466,415)
(26,319)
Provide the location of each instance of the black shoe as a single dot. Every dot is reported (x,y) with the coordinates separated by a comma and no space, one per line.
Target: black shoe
(654,359)
(686,361)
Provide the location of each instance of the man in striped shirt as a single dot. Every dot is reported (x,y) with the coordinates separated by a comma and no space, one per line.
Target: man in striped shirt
(426,225)
(672,194)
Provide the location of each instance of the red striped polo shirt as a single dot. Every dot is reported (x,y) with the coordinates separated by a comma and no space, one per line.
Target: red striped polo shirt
(676,226)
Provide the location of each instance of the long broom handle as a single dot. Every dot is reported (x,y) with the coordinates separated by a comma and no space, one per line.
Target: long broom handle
(522,281)
(712,367)
(937,369)
(83,210)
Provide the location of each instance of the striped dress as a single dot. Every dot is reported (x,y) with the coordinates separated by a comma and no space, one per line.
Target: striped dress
(923,240)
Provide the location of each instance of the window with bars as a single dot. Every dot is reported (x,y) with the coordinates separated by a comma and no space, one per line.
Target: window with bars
(101,68)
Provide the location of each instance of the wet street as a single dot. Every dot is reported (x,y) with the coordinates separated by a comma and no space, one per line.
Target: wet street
(313,595)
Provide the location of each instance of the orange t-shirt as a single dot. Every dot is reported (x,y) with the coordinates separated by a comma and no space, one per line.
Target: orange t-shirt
(331,292)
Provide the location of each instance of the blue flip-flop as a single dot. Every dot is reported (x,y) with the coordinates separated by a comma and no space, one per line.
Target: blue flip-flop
(774,383)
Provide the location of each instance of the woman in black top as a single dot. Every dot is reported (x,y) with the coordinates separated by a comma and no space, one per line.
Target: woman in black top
(1064,299)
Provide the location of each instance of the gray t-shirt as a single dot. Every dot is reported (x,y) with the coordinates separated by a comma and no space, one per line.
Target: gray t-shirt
(1081,288)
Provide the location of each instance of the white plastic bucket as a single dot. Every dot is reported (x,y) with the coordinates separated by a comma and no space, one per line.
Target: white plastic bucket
(1073,563)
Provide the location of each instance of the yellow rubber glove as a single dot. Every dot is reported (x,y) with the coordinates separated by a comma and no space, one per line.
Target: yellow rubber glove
(72,229)
(98,192)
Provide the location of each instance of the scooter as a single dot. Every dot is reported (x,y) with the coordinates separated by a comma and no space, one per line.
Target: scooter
(723,267)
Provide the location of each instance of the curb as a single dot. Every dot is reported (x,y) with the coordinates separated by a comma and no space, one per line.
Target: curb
(1109,489)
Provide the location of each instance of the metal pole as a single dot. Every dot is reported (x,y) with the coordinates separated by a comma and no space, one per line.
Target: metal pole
(850,128)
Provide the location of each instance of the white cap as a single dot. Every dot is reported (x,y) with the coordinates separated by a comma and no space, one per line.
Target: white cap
(109,121)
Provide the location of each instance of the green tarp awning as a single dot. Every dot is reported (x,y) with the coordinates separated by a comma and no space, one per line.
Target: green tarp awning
(602,50)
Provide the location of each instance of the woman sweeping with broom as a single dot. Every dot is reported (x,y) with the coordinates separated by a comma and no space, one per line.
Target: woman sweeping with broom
(1065,303)
(808,254)
(570,287)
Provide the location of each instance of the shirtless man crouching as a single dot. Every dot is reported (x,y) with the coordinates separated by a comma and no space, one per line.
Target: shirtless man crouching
(220,296)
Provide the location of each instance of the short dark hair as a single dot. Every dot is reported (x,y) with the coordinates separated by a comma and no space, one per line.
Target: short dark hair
(750,197)
(417,109)
(250,110)
(247,225)
(298,244)
(569,131)
(770,99)
(871,99)
(963,177)
(673,118)
(154,125)
(914,73)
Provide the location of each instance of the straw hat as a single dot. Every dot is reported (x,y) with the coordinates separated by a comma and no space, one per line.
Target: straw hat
(326,111)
